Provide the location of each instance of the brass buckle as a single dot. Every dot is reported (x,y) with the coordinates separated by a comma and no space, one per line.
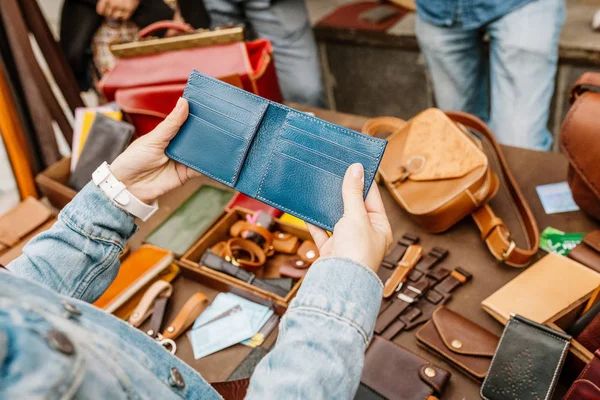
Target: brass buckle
(508,252)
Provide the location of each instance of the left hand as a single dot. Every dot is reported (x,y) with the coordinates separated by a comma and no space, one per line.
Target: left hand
(145,169)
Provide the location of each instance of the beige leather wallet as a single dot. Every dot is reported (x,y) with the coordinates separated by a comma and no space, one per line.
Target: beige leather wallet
(546,291)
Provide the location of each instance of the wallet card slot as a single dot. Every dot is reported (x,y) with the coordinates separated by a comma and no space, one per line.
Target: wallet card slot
(311,157)
(308,182)
(214,103)
(209,145)
(217,119)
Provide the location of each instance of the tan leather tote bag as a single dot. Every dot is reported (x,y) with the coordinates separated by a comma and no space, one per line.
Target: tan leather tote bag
(435,168)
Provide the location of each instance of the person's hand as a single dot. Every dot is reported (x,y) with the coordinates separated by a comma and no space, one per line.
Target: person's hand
(364,233)
(117,9)
(145,169)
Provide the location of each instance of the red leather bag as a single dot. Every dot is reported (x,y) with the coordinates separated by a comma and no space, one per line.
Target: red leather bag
(147,87)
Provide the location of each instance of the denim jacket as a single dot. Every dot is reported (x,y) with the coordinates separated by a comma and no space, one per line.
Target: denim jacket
(55,345)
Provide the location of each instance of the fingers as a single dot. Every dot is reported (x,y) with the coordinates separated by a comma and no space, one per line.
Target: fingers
(101,7)
(319,235)
(352,191)
(373,202)
(166,130)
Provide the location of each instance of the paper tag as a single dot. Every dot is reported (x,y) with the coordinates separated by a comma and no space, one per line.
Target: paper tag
(556,198)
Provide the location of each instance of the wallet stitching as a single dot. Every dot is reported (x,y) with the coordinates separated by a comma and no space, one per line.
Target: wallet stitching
(445,341)
(284,155)
(572,388)
(558,367)
(219,98)
(312,151)
(233,135)
(329,141)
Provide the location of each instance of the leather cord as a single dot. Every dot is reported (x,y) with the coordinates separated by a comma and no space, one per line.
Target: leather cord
(494,232)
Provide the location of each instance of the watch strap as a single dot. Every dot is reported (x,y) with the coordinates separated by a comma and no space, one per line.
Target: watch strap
(405,265)
(119,195)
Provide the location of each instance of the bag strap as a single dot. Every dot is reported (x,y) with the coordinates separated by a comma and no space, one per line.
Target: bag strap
(494,231)
(160,25)
(589,81)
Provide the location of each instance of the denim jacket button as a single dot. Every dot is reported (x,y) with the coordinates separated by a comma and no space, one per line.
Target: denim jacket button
(176,380)
(70,309)
(60,342)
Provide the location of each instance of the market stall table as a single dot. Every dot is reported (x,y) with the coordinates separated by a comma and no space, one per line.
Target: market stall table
(531,169)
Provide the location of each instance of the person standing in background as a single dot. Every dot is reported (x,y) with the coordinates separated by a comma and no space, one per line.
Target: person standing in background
(285,23)
(511,88)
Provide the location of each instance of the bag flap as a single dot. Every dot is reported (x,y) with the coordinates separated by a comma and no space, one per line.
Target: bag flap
(592,239)
(463,336)
(21,221)
(580,139)
(157,100)
(436,148)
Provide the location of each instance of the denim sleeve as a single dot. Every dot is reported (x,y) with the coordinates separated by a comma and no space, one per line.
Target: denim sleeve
(320,350)
(79,255)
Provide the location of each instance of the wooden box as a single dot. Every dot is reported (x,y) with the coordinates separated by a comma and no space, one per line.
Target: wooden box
(223,282)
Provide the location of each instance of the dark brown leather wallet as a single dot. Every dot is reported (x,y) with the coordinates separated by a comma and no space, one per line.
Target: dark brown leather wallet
(392,372)
(459,341)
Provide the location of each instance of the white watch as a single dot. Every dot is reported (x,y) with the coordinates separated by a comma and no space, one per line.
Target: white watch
(118,193)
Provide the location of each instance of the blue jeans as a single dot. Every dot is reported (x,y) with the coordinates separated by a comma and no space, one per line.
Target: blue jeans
(512,89)
(285,23)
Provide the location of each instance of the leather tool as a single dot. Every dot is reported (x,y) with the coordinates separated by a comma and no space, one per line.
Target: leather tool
(405,266)
(186,317)
(148,304)
(280,156)
(211,260)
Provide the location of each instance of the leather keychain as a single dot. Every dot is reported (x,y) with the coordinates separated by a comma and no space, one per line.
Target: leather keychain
(186,317)
(403,269)
(146,306)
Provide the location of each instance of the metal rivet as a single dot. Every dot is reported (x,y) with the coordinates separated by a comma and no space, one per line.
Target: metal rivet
(150,332)
(281,235)
(70,308)
(310,254)
(457,344)
(60,342)
(175,379)
(170,329)
(300,263)
(430,372)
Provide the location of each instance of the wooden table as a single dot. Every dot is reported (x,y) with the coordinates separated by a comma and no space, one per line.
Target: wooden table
(467,250)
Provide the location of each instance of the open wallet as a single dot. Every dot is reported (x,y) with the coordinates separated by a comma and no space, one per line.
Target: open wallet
(280,156)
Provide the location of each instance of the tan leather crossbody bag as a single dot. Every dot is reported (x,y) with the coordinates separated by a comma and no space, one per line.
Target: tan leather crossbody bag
(435,168)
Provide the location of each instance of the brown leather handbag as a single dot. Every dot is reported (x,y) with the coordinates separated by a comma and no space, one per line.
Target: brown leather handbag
(436,169)
(580,142)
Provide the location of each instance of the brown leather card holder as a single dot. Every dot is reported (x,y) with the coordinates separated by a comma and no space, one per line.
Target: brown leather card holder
(393,372)
(459,341)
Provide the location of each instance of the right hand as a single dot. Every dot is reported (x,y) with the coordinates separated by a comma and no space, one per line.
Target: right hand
(364,233)
(117,9)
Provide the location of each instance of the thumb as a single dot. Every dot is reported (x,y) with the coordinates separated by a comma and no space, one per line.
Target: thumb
(168,128)
(352,191)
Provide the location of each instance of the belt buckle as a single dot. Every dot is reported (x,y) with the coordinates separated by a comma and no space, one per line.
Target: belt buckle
(506,253)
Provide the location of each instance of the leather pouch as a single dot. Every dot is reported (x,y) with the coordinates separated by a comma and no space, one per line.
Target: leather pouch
(588,251)
(190,220)
(280,156)
(527,363)
(138,269)
(459,341)
(21,223)
(546,291)
(106,140)
(392,372)
(587,385)
(436,169)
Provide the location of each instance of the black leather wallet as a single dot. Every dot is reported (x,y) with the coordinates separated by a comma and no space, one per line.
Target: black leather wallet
(106,140)
(527,362)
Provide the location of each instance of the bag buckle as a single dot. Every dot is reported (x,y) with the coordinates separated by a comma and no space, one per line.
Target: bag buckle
(506,253)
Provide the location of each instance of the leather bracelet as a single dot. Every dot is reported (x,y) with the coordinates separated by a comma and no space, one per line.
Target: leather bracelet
(230,250)
(238,228)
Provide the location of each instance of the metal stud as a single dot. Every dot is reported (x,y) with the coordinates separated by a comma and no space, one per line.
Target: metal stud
(176,379)
(457,344)
(430,372)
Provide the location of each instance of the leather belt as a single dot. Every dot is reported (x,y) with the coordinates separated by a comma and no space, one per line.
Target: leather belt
(213,261)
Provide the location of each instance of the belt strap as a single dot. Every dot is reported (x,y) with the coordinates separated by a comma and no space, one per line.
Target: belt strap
(494,232)
(405,266)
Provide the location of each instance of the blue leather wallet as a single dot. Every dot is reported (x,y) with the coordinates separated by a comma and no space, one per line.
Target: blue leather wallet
(280,156)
